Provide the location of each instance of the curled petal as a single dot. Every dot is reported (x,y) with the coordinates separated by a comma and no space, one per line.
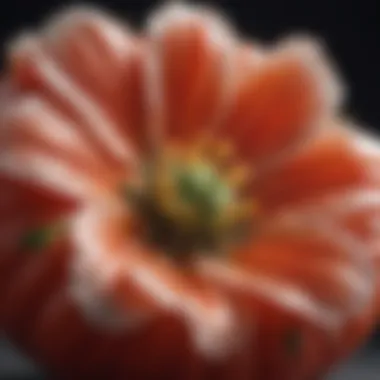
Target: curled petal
(33,123)
(139,285)
(189,74)
(330,163)
(105,59)
(40,146)
(33,69)
(310,277)
(284,94)
(357,211)
(91,46)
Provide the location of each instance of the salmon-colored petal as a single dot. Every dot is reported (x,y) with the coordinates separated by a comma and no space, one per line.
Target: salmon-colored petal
(334,161)
(305,278)
(335,178)
(112,272)
(32,69)
(105,59)
(33,122)
(189,71)
(354,211)
(357,210)
(52,173)
(56,159)
(25,201)
(280,98)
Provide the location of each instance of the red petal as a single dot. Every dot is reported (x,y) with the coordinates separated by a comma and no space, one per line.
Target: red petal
(189,71)
(33,69)
(280,97)
(331,163)
(301,276)
(105,59)
(113,269)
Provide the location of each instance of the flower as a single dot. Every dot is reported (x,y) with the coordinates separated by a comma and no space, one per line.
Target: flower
(195,204)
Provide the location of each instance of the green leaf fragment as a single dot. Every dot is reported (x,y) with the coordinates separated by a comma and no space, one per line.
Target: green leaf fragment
(41,237)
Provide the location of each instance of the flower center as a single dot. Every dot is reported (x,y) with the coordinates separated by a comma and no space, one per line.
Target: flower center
(202,195)
(191,201)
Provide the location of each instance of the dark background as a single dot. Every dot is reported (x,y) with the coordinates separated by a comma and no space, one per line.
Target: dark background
(351,29)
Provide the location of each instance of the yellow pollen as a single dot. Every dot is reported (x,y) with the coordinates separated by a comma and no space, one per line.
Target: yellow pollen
(224,150)
(238,176)
(193,159)
(239,212)
(195,196)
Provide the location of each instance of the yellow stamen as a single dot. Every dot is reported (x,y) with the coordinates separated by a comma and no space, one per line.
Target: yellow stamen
(237,213)
(195,195)
(224,150)
(238,176)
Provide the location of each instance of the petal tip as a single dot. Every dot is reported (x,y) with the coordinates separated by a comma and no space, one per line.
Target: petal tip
(73,17)
(312,52)
(173,15)
(20,46)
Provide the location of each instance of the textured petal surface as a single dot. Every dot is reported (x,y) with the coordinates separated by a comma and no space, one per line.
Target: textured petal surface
(142,284)
(35,70)
(189,77)
(331,163)
(308,279)
(281,96)
(105,60)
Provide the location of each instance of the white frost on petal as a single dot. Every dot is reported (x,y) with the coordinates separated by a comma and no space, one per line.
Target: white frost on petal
(312,53)
(285,295)
(114,36)
(352,200)
(47,171)
(221,40)
(174,15)
(213,326)
(36,117)
(87,114)
(321,220)
(366,143)
(351,203)
(92,277)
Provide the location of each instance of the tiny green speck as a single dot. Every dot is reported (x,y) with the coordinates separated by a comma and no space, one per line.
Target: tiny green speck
(39,238)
